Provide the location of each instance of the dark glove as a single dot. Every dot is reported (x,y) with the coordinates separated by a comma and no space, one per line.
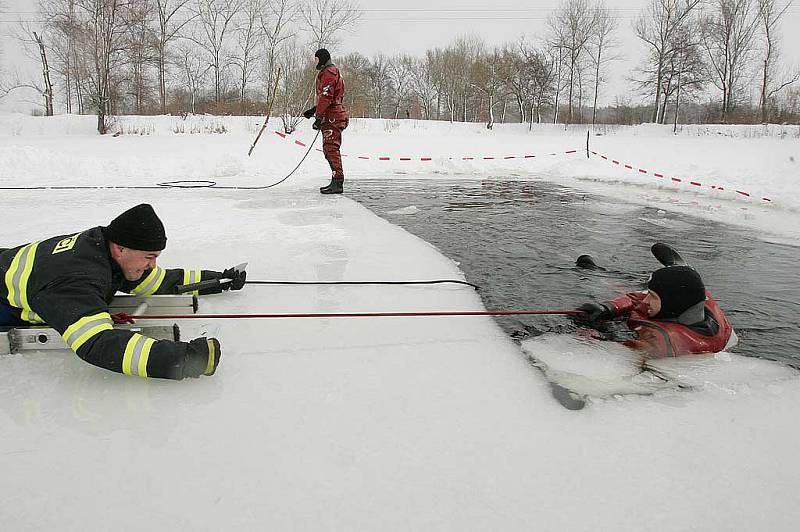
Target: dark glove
(202,357)
(595,312)
(237,278)
(317,123)
(310,112)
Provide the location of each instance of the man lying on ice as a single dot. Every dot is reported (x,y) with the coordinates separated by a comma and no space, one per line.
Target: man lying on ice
(675,316)
(68,282)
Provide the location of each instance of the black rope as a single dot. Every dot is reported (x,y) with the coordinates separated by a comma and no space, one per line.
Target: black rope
(310,146)
(86,187)
(184,183)
(437,281)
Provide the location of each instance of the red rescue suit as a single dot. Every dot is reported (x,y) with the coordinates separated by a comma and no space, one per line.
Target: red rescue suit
(330,93)
(663,338)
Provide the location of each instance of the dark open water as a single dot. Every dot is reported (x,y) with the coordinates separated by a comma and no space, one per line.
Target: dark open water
(519,240)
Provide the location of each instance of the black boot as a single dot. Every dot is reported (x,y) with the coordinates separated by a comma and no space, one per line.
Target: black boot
(336,186)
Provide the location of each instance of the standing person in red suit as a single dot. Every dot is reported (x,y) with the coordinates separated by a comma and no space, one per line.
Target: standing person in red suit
(675,316)
(330,117)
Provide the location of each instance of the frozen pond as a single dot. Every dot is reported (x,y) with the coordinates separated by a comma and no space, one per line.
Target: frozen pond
(519,240)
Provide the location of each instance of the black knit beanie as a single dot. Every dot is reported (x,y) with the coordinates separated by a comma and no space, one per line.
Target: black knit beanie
(138,228)
(679,287)
(323,56)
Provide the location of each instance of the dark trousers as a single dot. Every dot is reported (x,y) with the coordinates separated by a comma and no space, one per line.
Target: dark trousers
(331,142)
(10,315)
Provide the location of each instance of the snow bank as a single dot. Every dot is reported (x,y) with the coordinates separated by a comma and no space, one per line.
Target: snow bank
(737,174)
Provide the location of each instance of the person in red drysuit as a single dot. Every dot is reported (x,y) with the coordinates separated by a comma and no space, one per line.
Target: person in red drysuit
(330,117)
(675,316)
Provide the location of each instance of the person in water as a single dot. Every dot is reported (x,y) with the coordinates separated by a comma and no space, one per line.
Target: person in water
(675,316)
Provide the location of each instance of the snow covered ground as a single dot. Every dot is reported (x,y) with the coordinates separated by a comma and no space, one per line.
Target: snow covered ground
(390,424)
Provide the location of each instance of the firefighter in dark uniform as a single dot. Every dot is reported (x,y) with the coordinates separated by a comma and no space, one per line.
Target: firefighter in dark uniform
(68,281)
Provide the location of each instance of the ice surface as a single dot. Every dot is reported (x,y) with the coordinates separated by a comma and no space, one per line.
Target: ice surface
(603,369)
(393,424)
(411,209)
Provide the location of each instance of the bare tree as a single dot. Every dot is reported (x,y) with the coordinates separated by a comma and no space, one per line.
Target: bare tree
(468,50)
(400,73)
(61,29)
(355,69)
(728,30)
(424,86)
(601,42)
(48,85)
(557,56)
(34,48)
(543,73)
(532,80)
(772,82)
(327,19)
(452,67)
(276,29)
(380,83)
(2,69)
(248,44)
(490,73)
(293,97)
(571,26)
(193,70)
(443,63)
(656,26)
(101,41)
(169,27)
(685,74)
(139,51)
(1,50)
(519,82)
(439,80)
(214,18)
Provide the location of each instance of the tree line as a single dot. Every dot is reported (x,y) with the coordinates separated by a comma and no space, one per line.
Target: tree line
(705,61)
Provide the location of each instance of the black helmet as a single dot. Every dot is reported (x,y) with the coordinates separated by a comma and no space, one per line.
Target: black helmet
(323,56)
(679,287)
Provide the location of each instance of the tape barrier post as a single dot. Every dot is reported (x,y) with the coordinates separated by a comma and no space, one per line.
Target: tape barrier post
(587,143)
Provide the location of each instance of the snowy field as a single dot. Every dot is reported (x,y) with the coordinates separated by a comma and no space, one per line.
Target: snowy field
(399,424)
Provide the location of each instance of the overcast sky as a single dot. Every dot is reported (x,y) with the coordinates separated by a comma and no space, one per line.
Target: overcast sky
(413,26)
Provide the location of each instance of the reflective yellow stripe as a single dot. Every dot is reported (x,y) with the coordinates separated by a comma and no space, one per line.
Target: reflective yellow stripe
(87,328)
(148,345)
(151,283)
(11,286)
(191,277)
(128,356)
(16,279)
(137,353)
(26,275)
(31,317)
(212,355)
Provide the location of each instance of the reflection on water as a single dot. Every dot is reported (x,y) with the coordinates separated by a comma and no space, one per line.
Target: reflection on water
(519,241)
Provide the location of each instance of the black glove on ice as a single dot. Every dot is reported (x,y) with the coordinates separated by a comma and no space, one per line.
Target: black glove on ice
(237,278)
(202,357)
(317,123)
(595,312)
(310,112)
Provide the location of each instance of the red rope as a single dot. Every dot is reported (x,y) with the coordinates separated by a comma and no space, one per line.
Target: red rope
(364,314)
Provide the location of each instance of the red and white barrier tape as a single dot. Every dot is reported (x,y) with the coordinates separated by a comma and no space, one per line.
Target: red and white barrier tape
(674,179)
(429,159)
